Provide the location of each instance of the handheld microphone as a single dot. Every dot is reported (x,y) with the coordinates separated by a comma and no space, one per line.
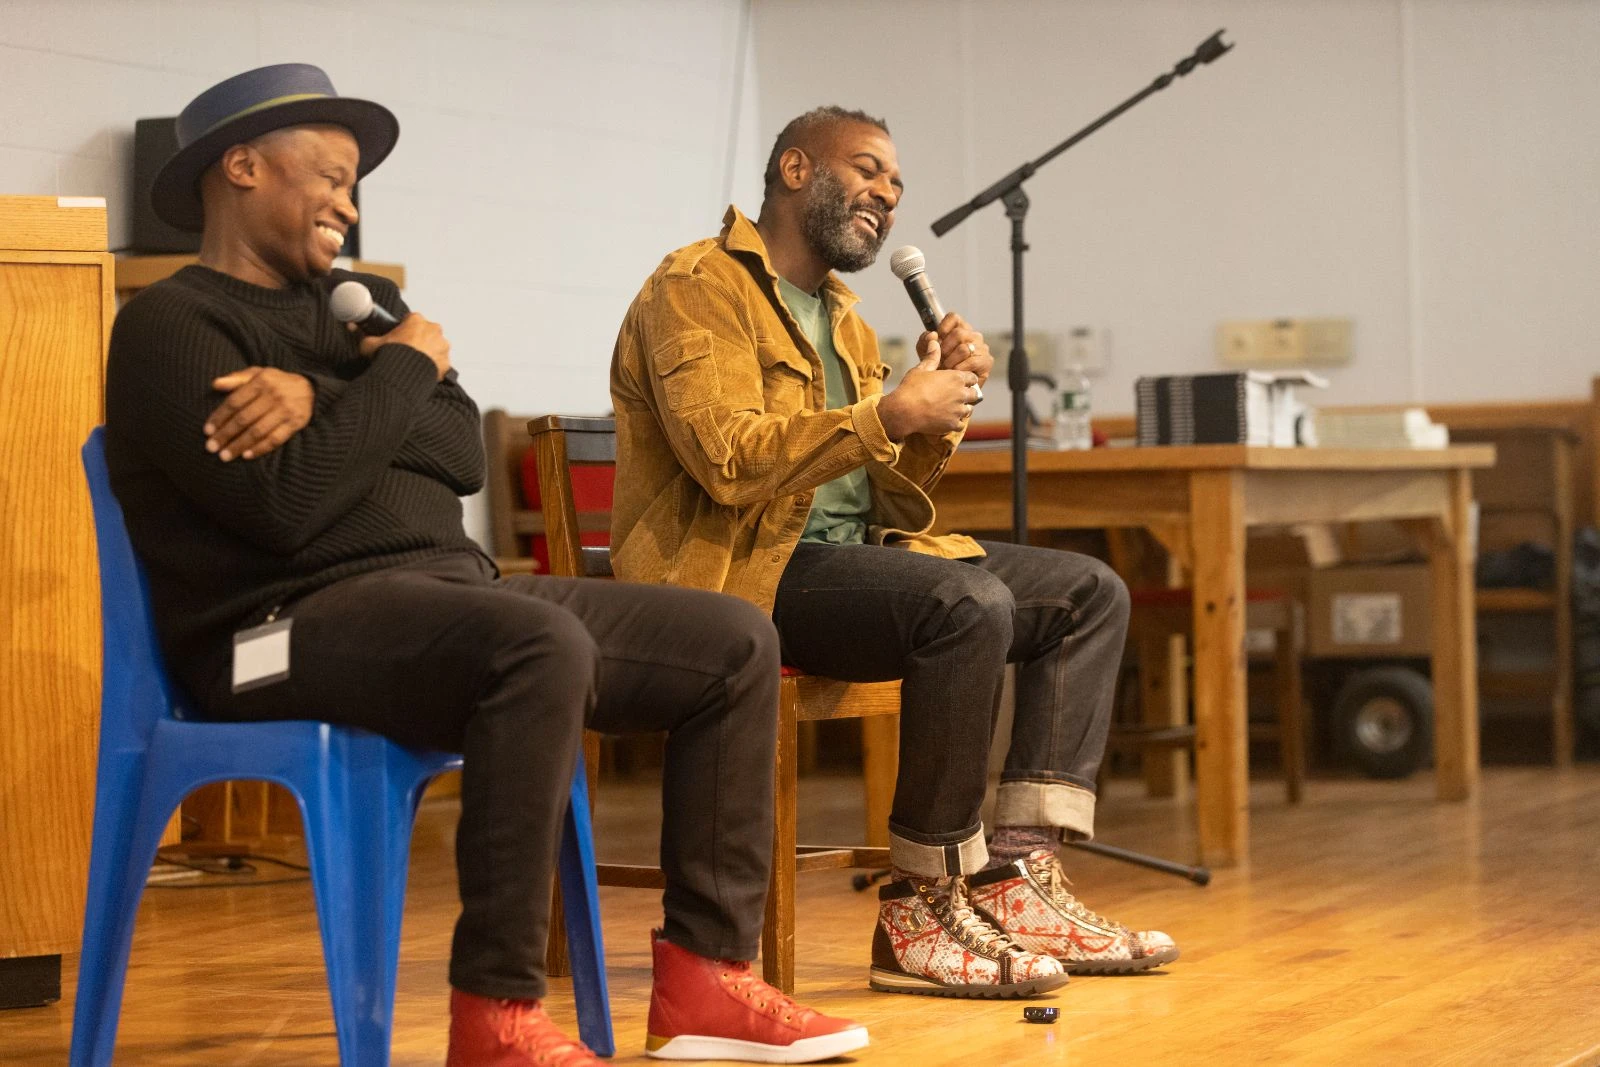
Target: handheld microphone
(352,302)
(909,266)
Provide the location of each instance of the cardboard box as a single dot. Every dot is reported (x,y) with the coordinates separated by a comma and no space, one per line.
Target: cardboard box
(1369,612)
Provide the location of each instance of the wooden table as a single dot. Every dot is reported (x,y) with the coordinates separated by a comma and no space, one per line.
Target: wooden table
(1198,501)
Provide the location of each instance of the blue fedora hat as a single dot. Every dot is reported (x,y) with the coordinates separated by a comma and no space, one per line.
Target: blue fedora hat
(251,104)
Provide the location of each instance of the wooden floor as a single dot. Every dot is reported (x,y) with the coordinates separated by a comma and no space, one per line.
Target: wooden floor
(1376,926)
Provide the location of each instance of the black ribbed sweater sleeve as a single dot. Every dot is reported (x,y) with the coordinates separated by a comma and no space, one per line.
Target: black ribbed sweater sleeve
(168,346)
(446,439)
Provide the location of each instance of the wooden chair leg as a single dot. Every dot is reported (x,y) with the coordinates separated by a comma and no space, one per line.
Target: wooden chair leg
(557,964)
(805,748)
(880,766)
(1291,707)
(1164,699)
(777,932)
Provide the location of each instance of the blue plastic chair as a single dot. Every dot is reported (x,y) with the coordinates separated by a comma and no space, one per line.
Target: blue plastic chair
(358,794)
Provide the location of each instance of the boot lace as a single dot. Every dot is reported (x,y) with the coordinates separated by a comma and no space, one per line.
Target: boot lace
(954,910)
(530,1030)
(1053,879)
(742,982)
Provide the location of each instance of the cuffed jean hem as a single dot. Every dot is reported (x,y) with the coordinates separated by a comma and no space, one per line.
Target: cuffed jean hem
(1069,807)
(938,860)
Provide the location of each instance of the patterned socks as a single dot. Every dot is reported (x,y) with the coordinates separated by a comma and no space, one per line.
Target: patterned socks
(900,874)
(1012,843)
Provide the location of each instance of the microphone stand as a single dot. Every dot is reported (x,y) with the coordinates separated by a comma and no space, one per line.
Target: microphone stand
(1009,191)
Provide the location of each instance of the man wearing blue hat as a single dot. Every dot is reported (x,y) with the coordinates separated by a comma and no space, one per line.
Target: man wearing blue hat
(293,490)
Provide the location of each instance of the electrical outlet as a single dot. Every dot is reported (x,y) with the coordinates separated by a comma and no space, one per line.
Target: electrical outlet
(1040,347)
(1267,343)
(1086,348)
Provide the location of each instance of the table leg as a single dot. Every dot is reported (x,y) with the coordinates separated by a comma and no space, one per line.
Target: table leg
(1222,780)
(1455,646)
(1164,702)
(880,767)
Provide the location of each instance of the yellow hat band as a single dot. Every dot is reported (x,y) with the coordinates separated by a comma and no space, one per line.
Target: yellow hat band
(274,102)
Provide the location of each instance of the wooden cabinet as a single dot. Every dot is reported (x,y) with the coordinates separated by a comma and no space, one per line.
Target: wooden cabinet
(56,306)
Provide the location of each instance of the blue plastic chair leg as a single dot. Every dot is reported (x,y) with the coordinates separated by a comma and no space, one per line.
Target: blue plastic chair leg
(580,896)
(127,833)
(358,835)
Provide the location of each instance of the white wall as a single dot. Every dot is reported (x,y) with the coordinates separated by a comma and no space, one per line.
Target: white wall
(1430,168)
(550,152)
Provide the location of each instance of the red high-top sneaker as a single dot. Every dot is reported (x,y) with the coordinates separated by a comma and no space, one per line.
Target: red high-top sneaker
(509,1033)
(705,1009)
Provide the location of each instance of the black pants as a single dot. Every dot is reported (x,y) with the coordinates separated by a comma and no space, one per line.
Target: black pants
(948,628)
(508,672)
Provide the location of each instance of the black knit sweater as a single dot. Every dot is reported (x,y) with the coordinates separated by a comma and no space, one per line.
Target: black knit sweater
(371,481)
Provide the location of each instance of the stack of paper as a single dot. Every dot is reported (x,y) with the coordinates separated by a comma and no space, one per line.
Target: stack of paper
(1401,428)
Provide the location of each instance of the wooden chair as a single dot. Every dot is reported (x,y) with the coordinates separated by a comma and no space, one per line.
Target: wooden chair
(1162,617)
(562,441)
(1528,496)
(512,523)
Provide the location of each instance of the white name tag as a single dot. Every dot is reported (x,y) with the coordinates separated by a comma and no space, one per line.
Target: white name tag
(261,655)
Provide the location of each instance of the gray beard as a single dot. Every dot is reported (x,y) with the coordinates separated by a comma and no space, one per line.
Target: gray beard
(829,226)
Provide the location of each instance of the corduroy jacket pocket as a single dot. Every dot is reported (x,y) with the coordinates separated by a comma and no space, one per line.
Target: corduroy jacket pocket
(786,377)
(688,376)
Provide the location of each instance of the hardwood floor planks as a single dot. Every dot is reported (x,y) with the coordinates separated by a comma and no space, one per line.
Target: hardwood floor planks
(1374,925)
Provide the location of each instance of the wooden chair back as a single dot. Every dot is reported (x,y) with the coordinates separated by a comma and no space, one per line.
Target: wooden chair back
(513,523)
(505,441)
(560,443)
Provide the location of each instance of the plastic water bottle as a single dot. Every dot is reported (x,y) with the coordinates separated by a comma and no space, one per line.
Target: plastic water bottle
(1072,409)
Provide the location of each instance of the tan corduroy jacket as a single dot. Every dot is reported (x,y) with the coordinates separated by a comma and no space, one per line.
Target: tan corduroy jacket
(723,429)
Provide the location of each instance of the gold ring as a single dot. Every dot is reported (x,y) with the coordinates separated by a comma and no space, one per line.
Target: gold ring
(972,349)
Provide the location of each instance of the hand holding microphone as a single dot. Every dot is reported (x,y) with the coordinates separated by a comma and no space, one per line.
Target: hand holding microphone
(352,303)
(961,347)
(937,395)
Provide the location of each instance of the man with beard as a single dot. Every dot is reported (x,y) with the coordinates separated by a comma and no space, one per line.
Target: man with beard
(758,455)
(280,473)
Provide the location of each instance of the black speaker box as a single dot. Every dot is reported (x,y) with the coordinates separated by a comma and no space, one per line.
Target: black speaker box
(154,142)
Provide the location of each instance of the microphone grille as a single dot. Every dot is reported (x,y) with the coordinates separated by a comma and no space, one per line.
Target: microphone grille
(907,261)
(350,301)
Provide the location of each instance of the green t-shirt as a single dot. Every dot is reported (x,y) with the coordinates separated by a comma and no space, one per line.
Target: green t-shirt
(840,508)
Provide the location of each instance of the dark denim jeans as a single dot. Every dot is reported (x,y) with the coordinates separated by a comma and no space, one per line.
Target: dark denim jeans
(441,655)
(948,628)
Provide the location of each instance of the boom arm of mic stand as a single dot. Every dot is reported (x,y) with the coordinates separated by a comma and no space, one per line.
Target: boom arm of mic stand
(951,220)
(1208,51)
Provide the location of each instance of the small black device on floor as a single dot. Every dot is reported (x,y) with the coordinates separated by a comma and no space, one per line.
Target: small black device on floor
(1041,1015)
